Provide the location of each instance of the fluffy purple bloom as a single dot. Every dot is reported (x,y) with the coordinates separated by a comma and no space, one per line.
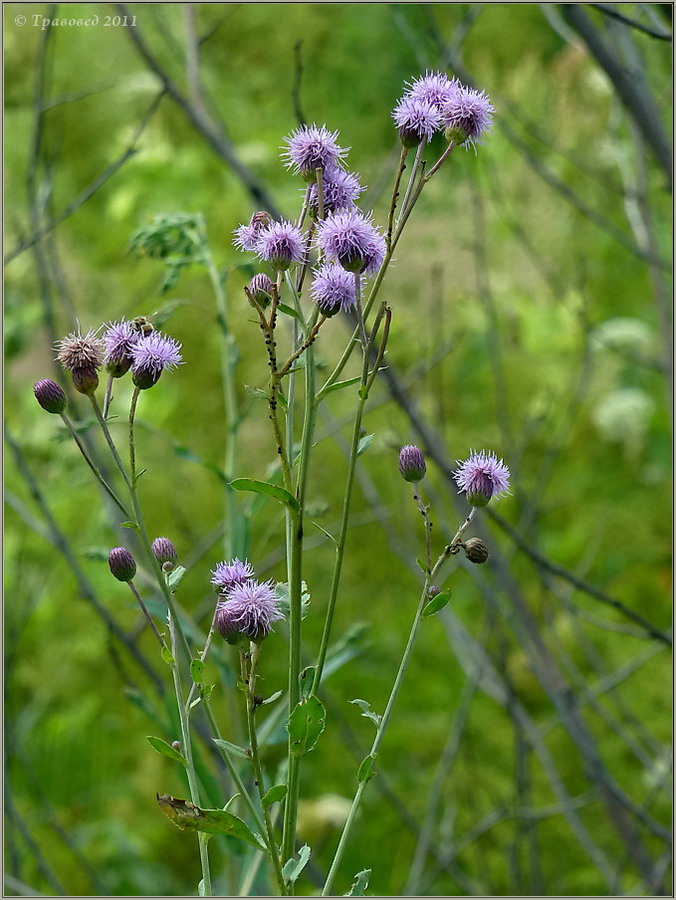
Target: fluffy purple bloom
(312,147)
(340,189)
(228,575)
(482,476)
(151,355)
(122,564)
(119,338)
(49,395)
(280,244)
(80,351)
(412,463)
(249,610)
(466,116)
(433,87)
(417,120)
(349,238)
(333,289)
(164,551)
(246,236)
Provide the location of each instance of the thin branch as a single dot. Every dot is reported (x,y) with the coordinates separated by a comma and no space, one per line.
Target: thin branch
(608,10)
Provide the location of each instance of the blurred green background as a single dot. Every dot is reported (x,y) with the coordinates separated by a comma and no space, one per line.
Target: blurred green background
(531,297)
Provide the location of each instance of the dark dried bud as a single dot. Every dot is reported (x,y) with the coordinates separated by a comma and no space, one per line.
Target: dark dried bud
(85,380)
(164,552)
(122,564)
(258,700)
(49,395)
(475,550)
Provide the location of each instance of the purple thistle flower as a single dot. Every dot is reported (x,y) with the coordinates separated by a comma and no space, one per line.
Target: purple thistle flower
(249,610)
(312,147)
(122,564)
(417,120)
(164,551)
(119,338)
(467,116)
(261,287)
(80,351)
(340,189)
(280,244)
(333,289)
(349,238)
(433,87)
(246,236)
(50,395)
(482,476)
(228,575)
(151,355)
(412,463)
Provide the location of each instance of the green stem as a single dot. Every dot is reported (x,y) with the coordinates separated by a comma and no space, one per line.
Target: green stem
(187,750)
(132,588)
(109,440)
(132,449)
(108,396)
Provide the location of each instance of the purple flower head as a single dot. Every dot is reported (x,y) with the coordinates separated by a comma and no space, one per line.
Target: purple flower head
(417,120)
(467,116)
(349,238)
(246,236)
(312,147)
(151,355)
(49,395)
(261,287)
(122,564)
(164,551)
(412,463)
(333,289)
(433,87)
(482,476)
(119,338)
(340,189)
(80,351)
(228,575)
(249,610)
(280,244)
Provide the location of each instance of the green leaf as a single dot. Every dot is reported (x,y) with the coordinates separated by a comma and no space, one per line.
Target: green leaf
(368,712)
(339,385)
(306,678)
(166,749)
(175,577)
(360,883)
(284,602)
(264,487)
(232,749)
(364,444)
(188,817)
(422,565)
(366,771)
(306,723)
(274,795)
(258,393)
(436,603)
(167,656)
(196,669)
(200,888)
(271,698)
(294,866)
(327,533)
(129,525)
(363,393)
(287,310)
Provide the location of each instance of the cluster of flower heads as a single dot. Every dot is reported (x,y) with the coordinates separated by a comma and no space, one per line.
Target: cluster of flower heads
(434,103)
(246,608)
(482,476)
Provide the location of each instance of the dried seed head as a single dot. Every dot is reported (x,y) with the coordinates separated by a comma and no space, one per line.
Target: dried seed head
(475,550)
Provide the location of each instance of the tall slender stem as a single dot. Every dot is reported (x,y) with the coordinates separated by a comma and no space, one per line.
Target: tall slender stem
(108,396)
(109,440)
(132,448)
(132,588)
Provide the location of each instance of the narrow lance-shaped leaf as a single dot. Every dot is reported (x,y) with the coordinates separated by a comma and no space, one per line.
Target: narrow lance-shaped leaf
(436,603)
(166,749)
(264,487)
(188,817)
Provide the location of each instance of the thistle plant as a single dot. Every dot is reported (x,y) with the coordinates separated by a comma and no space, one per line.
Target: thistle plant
(329,259)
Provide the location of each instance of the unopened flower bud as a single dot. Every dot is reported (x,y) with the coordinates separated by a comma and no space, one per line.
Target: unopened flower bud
(164,552)
(475,550)
(434,591)
(49,395)
(176,745)
(85,380)
(412,463)
(261,288)
(122,564)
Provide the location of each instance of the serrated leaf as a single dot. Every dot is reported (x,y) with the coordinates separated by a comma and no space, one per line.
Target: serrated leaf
(271,698)
(167,656)
(339,385)
(306,723)
(364,443)
(436,603)
(264,487)
(366,772)
(196,669)
(175,577)
(360,883)
(188,817)
(274,795)
(284,602)
(166,749)
(294,866)
(368,713)
(232,749)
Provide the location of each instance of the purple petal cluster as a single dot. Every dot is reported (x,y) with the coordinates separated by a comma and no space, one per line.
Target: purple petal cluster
(417,120)
(349,238)
(340,190)
(280,244)
(151,355)
(228,575)
(333,289)
(122,564)
(312,147)
(412,463)
(50,395)
(249,610)
(119,338)
(246,236)
(482,476)
(164,550)
(467,116)
(80,351)
(433,87)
